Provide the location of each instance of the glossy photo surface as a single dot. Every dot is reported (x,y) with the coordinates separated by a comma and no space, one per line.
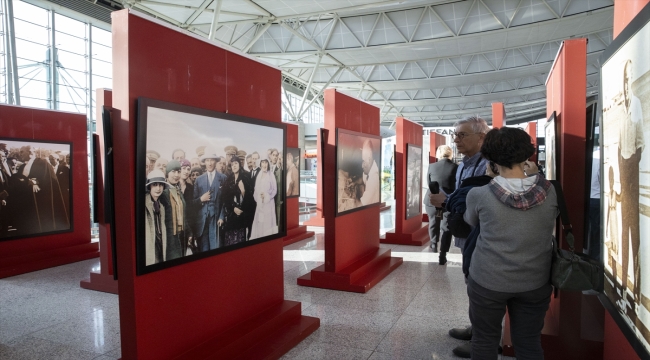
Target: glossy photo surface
(208,182)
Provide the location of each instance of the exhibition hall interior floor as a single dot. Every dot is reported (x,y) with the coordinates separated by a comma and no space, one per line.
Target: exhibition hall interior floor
(46,315)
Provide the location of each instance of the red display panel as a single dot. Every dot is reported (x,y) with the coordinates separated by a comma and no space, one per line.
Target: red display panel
(34,253)
(409,230)
(169,312)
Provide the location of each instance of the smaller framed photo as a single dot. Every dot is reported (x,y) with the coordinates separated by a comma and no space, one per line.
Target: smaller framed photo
(35,188)
(413,188)
(551,147)
(292,172)
(357,170)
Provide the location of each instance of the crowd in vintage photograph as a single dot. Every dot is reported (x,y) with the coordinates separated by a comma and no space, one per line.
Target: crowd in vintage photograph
(34,188)
(207,197)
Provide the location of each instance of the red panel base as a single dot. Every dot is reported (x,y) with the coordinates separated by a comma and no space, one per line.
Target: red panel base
(557,348)
(100,282)
(425,218)
(418,238)
(268,335)
(296,234)
(17,265)
(359,277)
(316,220)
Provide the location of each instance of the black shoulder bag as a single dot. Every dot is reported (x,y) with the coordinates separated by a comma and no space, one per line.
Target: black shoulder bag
(572,270)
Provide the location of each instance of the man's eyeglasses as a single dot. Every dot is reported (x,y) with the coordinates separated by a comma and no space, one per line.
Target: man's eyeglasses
(460,135)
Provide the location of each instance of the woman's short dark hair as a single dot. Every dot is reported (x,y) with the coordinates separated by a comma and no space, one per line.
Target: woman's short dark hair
(507,146)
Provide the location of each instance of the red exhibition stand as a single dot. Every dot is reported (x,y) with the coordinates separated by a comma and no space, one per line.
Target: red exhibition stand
(353,260)
(24,255)
(221,307)
(102,280)
(407,231)
(295,231)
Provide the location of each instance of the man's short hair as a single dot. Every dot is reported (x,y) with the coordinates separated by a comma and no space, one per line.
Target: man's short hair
(627,68)
(444,151)
(478,124)
(249,156)
(177,150)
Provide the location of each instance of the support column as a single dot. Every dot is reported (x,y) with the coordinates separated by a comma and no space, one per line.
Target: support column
(498,115)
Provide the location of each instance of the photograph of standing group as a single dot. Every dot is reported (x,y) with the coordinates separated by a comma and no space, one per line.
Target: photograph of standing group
(413,181)
(292,172)
(357,159)
(211,182)
(626,181)
(550,131)
(35,185)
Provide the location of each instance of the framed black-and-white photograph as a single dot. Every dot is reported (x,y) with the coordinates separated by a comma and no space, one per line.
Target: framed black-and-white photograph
(551,147)
(625,169)
(207,182)
(292,172)
(358,156)
(35,188)
(413,181)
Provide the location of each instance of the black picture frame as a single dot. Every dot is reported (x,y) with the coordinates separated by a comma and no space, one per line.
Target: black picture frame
(223,131)
(349,158)
(412,156)
(109,182)
(619,99)
(295,153)
(13,143)
(551,148)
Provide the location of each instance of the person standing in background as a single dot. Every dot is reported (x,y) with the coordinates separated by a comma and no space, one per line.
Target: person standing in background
(444,172)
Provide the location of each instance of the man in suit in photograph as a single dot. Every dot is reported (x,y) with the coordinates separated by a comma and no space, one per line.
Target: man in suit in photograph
(44,211)
(293,178)
(207,191)
(274,154)
(252,163)
(255,158)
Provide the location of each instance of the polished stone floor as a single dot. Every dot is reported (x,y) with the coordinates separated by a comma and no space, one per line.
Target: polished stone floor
(46,315)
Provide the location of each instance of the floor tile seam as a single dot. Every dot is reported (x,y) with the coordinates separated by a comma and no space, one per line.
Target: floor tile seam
(336,344)
(403,311)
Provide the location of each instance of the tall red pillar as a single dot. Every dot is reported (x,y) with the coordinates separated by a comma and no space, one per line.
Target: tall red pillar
(625,11)
(531,129)
(498,115)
